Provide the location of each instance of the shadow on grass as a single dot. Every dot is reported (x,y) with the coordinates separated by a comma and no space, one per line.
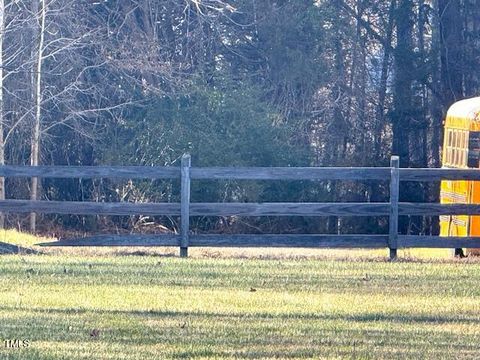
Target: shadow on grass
(315,335)
(463,318)
(8,249)
(253,335)
(225,276)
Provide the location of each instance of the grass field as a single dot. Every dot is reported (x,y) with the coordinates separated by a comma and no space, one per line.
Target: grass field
(237,304)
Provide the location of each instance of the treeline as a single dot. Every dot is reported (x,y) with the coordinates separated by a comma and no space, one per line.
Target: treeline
(247,82)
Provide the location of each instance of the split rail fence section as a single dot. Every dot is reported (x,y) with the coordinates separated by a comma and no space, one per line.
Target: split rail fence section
(185,209)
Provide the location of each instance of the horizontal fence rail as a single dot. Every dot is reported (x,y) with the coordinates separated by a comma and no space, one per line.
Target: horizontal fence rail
(429,175)
(196,209)
(217,173)
(291,173)
(238,173)
(238,240)
(185,209)
(89,208)
(420,241)
(120,172)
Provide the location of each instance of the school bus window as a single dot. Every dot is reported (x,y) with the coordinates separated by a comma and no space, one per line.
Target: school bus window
(473,149)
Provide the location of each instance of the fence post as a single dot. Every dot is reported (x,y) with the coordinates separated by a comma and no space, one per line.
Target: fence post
(394,194)
(185,204)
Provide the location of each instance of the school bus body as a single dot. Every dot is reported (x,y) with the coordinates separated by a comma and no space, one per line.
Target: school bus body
(461,149)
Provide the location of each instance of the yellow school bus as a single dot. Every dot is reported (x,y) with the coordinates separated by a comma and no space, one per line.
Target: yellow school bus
(461,149)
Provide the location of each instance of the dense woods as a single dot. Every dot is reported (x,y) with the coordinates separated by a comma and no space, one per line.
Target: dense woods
(235,83)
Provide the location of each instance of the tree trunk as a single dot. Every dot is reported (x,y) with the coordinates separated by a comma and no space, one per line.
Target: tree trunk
(451,48)
(402,100)
(382,92)
(2,142)
(35,145)
(471,54)
(403,93)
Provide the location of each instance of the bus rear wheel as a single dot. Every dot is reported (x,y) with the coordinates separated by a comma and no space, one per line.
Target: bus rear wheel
(458,252)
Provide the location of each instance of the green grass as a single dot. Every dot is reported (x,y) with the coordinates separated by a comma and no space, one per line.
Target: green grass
(157,307)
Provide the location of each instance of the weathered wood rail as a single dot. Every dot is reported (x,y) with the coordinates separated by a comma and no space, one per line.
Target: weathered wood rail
(185,209)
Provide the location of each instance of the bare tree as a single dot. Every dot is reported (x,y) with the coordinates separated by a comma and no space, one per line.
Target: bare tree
(2,144)
(37,91)
(12,49)
(73,77)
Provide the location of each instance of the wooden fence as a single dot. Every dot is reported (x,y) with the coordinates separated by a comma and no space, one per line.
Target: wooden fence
(185,209)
